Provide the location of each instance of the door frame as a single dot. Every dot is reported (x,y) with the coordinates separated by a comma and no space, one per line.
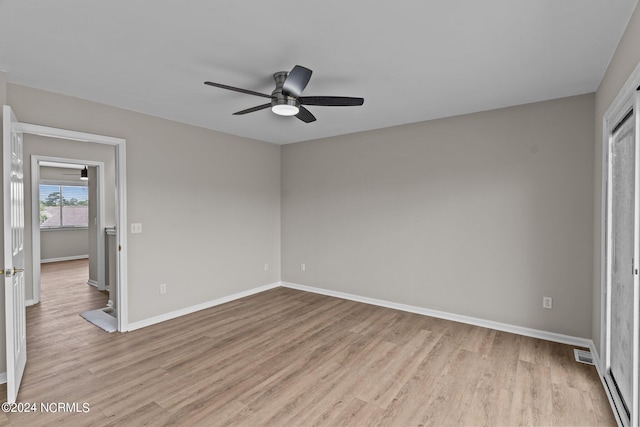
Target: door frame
(627,99)
(119,145)
(35,222)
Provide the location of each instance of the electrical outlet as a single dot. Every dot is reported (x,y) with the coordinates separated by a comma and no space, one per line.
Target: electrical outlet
(136,228)
(303,267)
(266,266)
(163,288)
(547,302)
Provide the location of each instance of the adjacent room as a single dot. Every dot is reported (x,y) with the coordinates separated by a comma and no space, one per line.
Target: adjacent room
(70,198)
(433,220)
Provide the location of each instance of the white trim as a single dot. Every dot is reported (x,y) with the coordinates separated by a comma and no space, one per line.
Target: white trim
(35,230)
(120,145)
(63,165)
(626,92)
(56,229)
(29,302)
(36,161)
(67,134)
(100,238)
(63,182)
(93,283)
(122,299)
(188,310)
(635,383)
(626,99)
(598,364)
(64,258)
(505,327)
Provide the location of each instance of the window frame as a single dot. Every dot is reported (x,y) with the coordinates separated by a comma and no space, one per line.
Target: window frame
(64,183)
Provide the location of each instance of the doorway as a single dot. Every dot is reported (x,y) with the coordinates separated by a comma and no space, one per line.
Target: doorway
(119,145)
(90,227)
(14,234)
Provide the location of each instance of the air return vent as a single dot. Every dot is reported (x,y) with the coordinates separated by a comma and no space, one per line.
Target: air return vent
(583,356)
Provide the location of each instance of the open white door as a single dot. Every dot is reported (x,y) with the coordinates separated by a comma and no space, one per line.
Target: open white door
(13,190)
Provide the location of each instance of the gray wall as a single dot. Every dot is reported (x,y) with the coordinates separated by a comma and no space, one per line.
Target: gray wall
(62,243)
(209,202)
(624,61)
(480,215)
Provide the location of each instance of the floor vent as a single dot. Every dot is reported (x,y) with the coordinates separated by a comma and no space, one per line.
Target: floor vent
(583,356)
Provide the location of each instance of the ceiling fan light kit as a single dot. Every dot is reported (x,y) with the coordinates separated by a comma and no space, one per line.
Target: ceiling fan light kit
(287,99)
(285,105)
(285,109)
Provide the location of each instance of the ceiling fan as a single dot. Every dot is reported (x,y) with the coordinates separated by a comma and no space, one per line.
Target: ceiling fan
(287,99)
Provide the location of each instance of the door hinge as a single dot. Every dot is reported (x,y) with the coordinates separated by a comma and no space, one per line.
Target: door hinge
(119,248)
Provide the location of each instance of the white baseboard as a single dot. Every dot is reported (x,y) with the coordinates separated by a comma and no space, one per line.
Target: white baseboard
(64,258)
(505,327)
(3,377)
(92,283)
(601,371)
(29,303)
(188,310)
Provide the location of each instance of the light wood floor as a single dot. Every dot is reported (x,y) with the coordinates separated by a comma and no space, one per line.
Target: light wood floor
(286,357)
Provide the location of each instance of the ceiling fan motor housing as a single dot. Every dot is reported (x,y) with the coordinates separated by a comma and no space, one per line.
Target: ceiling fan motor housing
(279,98)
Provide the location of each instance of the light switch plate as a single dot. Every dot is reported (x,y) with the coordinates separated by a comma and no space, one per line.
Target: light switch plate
(136,227)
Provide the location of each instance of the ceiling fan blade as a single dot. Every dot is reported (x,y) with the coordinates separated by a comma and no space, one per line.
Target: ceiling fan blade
(237,89)
(252,109)
(305,115)
(331,101)
(296,81)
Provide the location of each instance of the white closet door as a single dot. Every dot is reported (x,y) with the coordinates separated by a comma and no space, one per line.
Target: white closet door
(622,252)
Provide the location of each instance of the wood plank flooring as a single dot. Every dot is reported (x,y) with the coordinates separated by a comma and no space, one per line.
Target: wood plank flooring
(286,358)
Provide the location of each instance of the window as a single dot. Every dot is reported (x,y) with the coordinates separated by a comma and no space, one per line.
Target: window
(64,206)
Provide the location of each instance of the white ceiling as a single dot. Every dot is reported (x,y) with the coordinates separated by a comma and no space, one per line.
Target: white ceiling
(411,60)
